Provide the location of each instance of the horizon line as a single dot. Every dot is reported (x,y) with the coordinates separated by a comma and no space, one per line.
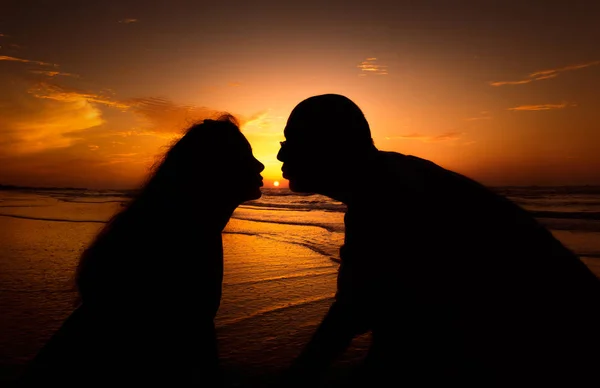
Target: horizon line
(20,187)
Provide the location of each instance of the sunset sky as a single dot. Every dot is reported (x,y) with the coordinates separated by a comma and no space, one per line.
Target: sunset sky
(507,92)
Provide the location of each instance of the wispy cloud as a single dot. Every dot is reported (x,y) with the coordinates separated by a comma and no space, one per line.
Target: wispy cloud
(55,92)
(31,126)
(258,121)
(521,82)
(483,115)
(565,68)
(164,116)
(541,107)
(234,84)
(545,74)
(14,59)
(51,73)
(447,136)
(159,114)
(370,66)
(128,21)
(52,133)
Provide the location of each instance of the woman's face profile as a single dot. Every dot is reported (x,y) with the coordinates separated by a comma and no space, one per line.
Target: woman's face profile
(241,173)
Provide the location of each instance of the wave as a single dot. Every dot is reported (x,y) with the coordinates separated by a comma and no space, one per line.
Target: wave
(288,305)
(589,255)
(315,247)
(23,205)
(332,228)
(50,219)
(566,215)
(91,201)
(543,191)
(304,206)
(284,193)
(242,233)
(332,272)
(551,203)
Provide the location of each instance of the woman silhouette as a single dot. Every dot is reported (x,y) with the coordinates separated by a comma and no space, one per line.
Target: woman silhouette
(149,284)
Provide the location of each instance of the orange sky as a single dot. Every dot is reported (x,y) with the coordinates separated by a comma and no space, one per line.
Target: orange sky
(90,94)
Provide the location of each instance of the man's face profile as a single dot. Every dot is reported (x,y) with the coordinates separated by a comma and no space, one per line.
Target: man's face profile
(304,158)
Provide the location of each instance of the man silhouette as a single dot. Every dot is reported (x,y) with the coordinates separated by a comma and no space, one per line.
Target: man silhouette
(456,283)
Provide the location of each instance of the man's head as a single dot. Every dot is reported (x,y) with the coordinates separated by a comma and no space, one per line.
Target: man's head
(326,138)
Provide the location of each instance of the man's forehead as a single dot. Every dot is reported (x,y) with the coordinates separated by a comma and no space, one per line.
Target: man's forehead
(298,129)
(292,130)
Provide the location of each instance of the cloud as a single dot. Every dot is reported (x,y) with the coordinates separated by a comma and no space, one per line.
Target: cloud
(164,116)
(370,66)
(36,118)
(483,115)
(541,107)
(447,136)
(14,59)
(260,120)
(160,115)
(128,21)
(46,90)
(54,134)
(500,83)
(545,74)
(31,125)
(562,69)
(234,84)
(51,73)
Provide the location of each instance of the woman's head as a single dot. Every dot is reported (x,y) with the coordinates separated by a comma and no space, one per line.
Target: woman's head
(214,161)
(188,197)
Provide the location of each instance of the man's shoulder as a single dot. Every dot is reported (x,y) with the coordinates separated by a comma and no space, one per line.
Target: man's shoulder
(392,157)
(408,170)
(423,177)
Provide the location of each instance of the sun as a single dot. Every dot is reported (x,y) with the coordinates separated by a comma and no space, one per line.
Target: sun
(276,183)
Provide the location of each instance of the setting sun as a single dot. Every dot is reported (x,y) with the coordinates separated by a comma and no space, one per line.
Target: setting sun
(276,183)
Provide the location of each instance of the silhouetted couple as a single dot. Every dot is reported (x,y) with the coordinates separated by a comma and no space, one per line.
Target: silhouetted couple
(457,284)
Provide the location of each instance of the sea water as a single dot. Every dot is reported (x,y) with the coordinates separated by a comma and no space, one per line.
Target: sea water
(281,259)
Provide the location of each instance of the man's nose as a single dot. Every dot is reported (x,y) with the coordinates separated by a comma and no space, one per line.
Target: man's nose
(259,165)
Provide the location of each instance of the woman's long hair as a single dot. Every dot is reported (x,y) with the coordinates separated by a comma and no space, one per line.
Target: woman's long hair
(107,265)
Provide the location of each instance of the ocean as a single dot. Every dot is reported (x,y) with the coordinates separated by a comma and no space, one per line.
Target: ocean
(281,260)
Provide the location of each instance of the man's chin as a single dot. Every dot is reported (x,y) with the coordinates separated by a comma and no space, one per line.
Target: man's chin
(252,195)
(299,187)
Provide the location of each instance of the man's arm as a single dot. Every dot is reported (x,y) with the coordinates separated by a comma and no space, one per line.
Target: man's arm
(349,316)
(332,338)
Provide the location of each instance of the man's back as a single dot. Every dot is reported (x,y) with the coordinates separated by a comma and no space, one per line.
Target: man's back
(457,280)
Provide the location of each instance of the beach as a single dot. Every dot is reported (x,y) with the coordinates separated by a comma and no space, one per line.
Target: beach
(281,260)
